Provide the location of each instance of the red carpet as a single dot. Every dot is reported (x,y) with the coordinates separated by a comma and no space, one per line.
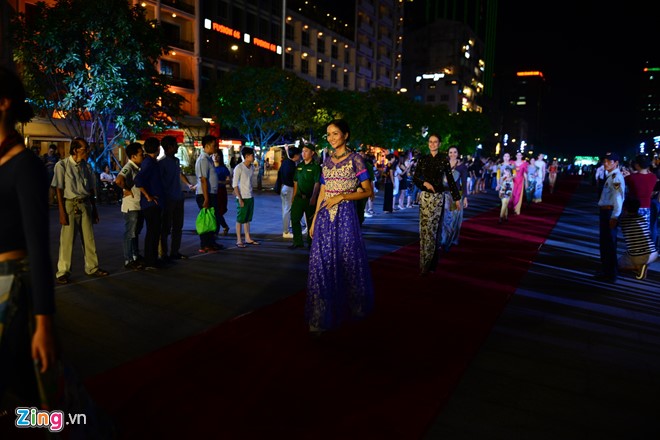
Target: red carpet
(261,376)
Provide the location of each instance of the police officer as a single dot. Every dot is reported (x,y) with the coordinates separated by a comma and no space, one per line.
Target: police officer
(610,205)
(306,186)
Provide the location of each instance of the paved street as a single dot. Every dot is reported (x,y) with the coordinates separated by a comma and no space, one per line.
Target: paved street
(569,357)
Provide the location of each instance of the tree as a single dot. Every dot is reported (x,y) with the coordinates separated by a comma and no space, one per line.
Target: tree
(264,104)
(91,66)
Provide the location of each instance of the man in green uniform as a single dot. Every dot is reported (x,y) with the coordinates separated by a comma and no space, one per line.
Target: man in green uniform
(306,185)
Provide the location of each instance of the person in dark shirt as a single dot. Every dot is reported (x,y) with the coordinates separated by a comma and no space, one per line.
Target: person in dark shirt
(152,202)
(50,159)
(429,175)
(26,313)
(285,176)
(172,178)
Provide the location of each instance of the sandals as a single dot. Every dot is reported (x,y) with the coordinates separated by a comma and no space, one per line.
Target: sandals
(99,273)
(253,243)
(241,245)
(63,280)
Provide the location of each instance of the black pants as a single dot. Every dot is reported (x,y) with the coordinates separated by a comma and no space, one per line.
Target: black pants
(207,239)
(172,225)
(153,219)
(608,239)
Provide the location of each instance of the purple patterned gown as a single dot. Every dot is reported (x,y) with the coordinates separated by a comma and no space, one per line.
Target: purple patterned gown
(339,286)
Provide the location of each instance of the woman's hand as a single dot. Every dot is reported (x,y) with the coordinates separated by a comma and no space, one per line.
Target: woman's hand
(428,186)
(334,200)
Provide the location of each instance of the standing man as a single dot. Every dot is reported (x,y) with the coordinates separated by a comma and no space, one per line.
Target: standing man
(172,178)
(152,201)
(610,205)
(207,189)
(306,186)
(285,175)
(75,183)
(242,184)
(130,204)
(50,159)
(429,175)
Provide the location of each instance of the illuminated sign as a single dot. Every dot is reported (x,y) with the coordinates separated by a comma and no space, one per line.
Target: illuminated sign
(226,30)
(530,73)
(433,76)
(264,44)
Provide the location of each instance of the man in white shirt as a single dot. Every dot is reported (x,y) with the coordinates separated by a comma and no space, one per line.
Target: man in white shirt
(130,204)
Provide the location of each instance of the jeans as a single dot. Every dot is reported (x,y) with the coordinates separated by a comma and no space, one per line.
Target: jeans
(286,194)
(130,235)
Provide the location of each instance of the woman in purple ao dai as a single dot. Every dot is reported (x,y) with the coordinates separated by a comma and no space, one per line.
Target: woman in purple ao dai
(339,285)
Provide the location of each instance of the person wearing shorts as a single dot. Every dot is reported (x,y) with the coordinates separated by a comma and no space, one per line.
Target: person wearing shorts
(242,183)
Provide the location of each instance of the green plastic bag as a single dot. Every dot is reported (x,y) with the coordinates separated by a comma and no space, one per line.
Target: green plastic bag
(205,221)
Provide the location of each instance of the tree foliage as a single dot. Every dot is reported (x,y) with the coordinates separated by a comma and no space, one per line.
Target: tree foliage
(265,105)
(92,65)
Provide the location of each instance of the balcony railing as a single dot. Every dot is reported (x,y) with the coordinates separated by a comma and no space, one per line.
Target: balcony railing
(182,44)
(180,5)
(183,83)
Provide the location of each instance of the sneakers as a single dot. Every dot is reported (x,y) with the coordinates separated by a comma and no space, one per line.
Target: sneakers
(642,272)
(367,215)
(133,265)
(287,235)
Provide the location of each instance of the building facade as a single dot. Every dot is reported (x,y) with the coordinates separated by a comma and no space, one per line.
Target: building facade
(444,65)
(356,47)
(521,127)
(649,109)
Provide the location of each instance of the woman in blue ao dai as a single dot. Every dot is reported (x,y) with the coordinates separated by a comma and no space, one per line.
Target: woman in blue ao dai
(339,285)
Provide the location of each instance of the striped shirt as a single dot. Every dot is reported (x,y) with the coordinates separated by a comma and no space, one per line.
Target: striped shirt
(637,235)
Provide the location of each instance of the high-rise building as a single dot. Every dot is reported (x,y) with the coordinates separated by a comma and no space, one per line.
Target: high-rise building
(355,46)
(444,64)
(479,15)
(521,127)
(649,108)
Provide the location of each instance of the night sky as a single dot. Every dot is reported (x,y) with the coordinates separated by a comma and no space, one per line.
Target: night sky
(591,54)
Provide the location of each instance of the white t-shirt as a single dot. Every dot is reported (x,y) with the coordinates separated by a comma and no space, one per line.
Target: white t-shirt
(129,172)
(243,180)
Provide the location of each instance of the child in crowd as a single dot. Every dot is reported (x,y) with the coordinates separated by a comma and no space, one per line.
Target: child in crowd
(242,183)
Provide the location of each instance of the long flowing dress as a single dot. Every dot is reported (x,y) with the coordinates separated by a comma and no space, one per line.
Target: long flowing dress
(518,186)
(532,175)
(339,285)
(453,219)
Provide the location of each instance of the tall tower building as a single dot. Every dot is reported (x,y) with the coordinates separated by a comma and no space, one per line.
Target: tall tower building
(479,15)
(522,111)
(649,108)
(444,64)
